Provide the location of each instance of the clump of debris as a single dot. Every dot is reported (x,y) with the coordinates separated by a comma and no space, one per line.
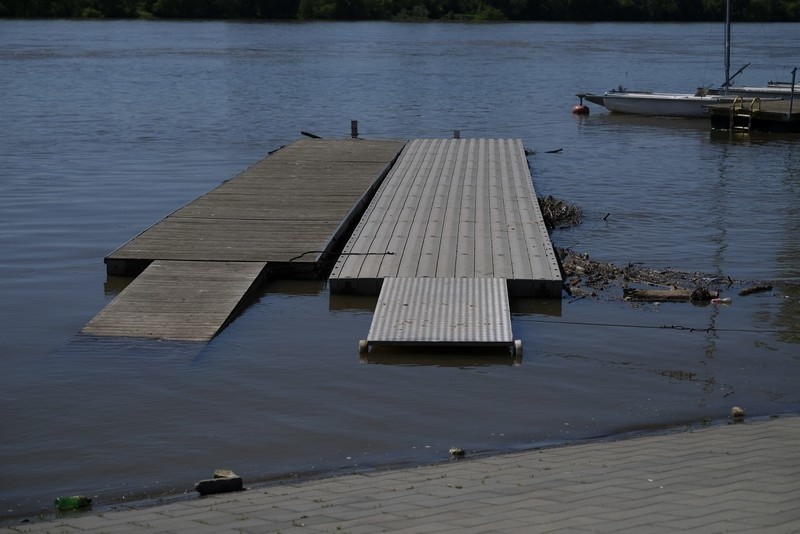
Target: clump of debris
(558,214)
(586,277)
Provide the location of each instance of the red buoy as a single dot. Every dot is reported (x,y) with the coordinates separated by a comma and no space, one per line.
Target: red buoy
(580,109)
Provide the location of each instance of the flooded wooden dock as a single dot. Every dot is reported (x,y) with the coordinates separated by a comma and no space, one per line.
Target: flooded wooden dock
(756,115)
(298,201)
(453,208)
(444,209)
(179,300)
(283,216)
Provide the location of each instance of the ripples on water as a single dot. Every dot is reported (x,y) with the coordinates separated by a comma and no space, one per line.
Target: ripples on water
(109,126)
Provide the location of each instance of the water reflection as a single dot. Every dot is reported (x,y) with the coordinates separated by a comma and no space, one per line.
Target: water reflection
(462,357)
(289,287)
(114,285)
(343,302)
(627,123)
(120,353)
(788,256)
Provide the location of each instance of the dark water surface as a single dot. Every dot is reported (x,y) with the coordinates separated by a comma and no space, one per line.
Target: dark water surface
(106,127)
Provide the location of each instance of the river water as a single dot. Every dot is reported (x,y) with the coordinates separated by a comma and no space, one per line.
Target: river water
(106,127)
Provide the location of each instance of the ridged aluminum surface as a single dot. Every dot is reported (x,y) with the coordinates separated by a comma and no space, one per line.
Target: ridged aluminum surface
(453,208)
(424,311)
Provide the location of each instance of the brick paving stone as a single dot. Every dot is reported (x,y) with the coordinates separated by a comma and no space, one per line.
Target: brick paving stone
(734,478)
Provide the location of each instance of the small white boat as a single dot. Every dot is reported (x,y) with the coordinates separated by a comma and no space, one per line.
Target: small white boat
(687,105)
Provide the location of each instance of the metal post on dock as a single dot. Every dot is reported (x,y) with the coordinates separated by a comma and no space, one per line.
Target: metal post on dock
(727,47)
(791,95)
(456,134)
(354,129)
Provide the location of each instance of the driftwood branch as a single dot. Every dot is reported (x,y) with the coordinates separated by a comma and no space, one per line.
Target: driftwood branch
(700,294)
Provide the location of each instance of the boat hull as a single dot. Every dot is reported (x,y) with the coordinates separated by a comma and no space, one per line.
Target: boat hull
(660,104)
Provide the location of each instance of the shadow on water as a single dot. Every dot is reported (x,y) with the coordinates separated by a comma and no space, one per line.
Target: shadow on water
(611,122)
(727,137)
(441,357)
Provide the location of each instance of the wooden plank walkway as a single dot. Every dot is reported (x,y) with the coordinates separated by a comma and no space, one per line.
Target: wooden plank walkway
(453,208)
(178,300)
(298,199)
(748,114)
(280,217)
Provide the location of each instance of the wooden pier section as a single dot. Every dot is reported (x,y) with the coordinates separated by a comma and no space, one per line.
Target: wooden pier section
(442,312)
(283,216)
(453,208)
(746,115)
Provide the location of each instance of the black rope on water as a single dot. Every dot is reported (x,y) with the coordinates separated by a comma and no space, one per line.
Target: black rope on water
(290,267)
(341,254)
(663,327)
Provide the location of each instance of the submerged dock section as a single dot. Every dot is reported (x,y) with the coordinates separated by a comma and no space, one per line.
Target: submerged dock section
(450,229)
(283,216)
(453,208)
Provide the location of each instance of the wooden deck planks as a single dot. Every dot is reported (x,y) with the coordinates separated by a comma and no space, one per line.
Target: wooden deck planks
(453,208)
(199,264)
(295,200)
(178,300)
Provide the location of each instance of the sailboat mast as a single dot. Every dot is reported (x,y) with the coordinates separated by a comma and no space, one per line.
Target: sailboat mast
(727,44)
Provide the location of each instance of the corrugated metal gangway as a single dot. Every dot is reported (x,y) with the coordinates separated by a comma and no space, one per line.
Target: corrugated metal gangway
(442,312)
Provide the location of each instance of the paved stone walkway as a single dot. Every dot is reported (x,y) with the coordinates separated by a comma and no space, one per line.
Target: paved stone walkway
(735,478)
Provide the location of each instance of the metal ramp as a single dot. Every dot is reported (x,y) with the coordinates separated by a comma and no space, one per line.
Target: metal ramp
(442,312)
(179,300)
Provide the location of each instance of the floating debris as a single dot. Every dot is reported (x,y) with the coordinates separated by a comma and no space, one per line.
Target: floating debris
(737,413)
(457,452)
(559,214)
(701,294)
(70,504)
(755,289)
(678,375)
(224,481)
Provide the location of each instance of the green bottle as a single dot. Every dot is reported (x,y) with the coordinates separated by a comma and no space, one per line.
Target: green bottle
(76,502)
